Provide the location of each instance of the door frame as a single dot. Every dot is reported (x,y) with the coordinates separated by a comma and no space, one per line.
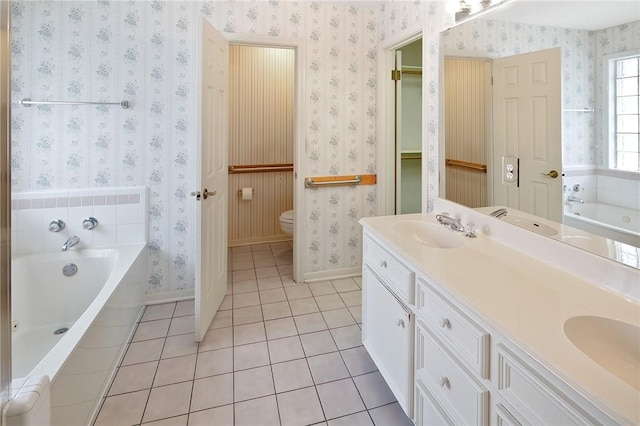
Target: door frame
(386,124)
(461,54)
(298,45)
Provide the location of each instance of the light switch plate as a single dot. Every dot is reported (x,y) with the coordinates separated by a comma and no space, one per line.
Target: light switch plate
(510,170)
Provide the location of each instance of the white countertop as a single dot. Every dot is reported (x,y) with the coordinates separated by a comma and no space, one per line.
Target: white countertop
(526,299)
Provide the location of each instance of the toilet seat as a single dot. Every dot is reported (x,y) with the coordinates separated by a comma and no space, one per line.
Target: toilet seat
(287,217)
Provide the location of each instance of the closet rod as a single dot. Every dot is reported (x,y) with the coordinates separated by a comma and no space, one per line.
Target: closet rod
(28,102)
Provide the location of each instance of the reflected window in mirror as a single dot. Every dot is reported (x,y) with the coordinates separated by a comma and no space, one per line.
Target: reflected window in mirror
(624,111)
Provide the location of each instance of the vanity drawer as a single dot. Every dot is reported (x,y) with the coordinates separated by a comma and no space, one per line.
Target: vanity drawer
(427,410)
(461,395)
(463,336)
(395,274)
(534,398)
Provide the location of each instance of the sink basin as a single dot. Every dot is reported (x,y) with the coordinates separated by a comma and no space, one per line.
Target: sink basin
(612,344)
(429,234)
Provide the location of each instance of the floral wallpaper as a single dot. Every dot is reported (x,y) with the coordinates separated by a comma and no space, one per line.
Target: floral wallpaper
(143,52)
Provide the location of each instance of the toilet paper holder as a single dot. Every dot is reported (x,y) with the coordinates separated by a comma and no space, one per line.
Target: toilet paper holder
(253,191)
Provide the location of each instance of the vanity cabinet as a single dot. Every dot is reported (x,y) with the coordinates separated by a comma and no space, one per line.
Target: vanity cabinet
(387,322)
(445,364)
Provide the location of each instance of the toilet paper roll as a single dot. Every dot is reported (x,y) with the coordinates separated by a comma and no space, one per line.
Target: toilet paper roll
(247,193)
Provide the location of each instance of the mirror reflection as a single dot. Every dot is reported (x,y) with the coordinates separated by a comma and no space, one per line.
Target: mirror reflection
(541,113)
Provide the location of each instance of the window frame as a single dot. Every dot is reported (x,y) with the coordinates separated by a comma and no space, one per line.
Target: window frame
(609,108)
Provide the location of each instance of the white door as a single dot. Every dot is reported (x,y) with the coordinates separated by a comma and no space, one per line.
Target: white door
(211,211)
(527,127)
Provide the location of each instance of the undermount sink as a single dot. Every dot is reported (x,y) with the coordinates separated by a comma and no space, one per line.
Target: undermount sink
(429,234)
(612,344)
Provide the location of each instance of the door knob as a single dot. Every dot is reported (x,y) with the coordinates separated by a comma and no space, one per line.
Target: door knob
(204,194)
(552,174)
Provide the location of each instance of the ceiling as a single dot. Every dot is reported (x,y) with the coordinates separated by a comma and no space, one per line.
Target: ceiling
(578,14)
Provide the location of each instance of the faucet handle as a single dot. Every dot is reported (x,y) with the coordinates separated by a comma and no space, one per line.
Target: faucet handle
(89,223)
(56,225)
(472,230)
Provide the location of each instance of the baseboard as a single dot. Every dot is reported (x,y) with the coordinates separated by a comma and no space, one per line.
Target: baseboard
(169,296)
(333,274)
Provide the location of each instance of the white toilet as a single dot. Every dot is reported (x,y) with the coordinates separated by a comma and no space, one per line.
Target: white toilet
(286,222)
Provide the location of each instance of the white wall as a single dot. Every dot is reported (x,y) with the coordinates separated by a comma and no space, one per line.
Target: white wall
(144,52)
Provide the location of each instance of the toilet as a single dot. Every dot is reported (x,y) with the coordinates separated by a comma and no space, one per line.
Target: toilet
(286,222)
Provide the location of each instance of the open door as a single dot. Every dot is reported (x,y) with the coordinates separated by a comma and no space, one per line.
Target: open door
(211,176)
(527,142)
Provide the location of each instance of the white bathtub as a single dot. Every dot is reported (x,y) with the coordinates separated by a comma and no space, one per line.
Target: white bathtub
(613,222)
(99,305)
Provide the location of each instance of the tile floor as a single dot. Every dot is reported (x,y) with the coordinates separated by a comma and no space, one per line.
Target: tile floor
(277,353)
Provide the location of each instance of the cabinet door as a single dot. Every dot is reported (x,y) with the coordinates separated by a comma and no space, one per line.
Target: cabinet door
(388,336)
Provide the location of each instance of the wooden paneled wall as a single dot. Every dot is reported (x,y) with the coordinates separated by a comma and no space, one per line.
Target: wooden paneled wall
(467,128)
(262,87)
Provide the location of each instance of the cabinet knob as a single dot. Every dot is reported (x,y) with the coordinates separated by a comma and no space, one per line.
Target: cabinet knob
(383,263)
(400,323)
(444,381)
(444,322)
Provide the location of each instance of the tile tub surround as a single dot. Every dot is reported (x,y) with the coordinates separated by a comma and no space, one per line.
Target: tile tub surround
(121,215)
(276,353)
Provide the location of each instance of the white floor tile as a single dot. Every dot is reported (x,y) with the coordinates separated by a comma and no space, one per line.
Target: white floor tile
(359,419)
(212,363)
(300,407)
(250,356)
(257,412)
(374,390)
(133,378)
(286,349)
(211,392)
(217,339)
(249,333)
(291,375)
(391,414)
(358,361)
(213,416)
(168,401)
(125,409)
(327,367)
(340,398)
(317,343)
(279,328)
(253,383)
(310,323)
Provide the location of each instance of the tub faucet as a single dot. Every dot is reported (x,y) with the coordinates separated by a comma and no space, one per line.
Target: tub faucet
(499,213)
(452,223)
(72,241)
(574,199)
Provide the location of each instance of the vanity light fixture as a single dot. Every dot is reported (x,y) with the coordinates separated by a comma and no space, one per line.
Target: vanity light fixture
(464,8)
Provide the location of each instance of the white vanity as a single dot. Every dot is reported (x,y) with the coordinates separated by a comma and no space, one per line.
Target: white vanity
(475,331)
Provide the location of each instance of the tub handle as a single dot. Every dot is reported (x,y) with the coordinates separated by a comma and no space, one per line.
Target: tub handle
(89,223)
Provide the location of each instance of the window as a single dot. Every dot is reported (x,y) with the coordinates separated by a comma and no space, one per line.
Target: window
(626,121)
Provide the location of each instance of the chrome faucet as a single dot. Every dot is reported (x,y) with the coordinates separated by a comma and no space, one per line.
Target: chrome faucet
(573,199)
(444,219)
(499,213)
(72,241)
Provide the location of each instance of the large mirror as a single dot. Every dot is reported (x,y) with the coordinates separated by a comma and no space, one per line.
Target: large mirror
(540,113)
